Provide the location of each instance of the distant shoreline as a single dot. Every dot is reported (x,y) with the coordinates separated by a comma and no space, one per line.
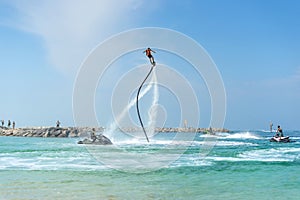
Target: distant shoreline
(62,132)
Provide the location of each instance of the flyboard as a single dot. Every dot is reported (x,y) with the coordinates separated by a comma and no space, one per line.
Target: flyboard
(137,100)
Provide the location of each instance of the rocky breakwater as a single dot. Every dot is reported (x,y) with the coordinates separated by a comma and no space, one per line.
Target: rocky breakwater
(60,133)
(48,131)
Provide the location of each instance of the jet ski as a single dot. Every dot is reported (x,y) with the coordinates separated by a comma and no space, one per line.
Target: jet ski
(280,139)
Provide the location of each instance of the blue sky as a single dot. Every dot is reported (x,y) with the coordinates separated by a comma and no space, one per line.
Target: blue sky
(255,45)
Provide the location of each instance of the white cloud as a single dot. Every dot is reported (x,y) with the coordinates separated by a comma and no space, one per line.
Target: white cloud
(72,28)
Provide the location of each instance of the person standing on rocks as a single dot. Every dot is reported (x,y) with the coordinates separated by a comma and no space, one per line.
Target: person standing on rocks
(93,135)
(13,124)
(8,124)
(57,123)
(2,122)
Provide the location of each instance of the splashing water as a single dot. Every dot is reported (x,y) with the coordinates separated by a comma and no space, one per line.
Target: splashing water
(153,109)
(110,132)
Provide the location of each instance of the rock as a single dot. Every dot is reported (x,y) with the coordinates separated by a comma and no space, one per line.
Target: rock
(100,140)
(8,133)
(73,133)
(63,134)
(46,134)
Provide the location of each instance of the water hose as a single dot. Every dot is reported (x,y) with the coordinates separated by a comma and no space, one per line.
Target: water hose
(137,102)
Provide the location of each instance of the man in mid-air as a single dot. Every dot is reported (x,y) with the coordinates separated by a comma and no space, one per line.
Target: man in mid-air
(148,53)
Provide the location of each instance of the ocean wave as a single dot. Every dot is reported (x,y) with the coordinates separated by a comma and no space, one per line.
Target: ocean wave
(279,154)
(191,160)
(268,131)
(200,143)
(184,143)
(224,143)
(46,163)
(137,142)
(233,143)
(262,155)
(242,159)
(294,138)
(239,135)
(243,135)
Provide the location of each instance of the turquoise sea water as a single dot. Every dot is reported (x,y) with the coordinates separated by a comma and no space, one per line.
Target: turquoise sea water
(240,165)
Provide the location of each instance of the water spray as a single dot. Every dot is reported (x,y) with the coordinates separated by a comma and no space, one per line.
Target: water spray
(137,102)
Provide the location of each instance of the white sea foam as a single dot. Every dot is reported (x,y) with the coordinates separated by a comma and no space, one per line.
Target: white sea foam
(268,131)
(233,143)
(280,154)
(295,138)
(240,159)
(207,136)
(49,161)
(218,158)
(220,134)
(191,160)
(240,135)
(142,141)
(243,135)
(136,141)
(262,155)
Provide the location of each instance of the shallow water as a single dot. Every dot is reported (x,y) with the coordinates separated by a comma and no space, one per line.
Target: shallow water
(239,165)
